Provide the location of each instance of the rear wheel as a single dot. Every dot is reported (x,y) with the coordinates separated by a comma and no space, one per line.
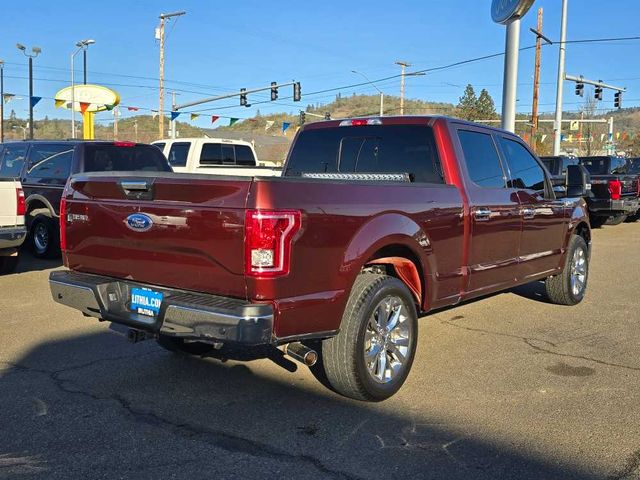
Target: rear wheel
(45,237)
(569,286)
(8,264)
(372,355)
(633,218)
(178,345)
(616,220)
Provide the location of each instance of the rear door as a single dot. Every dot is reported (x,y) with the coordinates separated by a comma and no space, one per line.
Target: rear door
(543,222)
(48,168)
(495,218)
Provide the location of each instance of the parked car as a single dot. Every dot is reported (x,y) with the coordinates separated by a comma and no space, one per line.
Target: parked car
(614,190)
(216,156)
(375,221)
(44,166)
(12,229)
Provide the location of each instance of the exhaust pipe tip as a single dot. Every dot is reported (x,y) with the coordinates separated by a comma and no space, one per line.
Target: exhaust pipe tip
(302,353)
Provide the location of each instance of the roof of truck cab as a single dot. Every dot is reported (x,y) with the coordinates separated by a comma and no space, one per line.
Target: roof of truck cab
(204,140)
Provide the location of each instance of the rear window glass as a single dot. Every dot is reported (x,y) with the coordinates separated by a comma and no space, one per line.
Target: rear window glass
(12,160)
(244,155)
(605,165)
(178,154)
(211,154)
(367,149)
(111,158)
(50,160)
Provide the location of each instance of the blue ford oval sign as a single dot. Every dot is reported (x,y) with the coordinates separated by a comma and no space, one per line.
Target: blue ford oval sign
(503,11)
(139,222)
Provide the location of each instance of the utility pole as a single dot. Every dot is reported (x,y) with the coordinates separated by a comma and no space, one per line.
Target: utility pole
(163,18)
(557,129)
(536,79)
(135,129)
(403,66)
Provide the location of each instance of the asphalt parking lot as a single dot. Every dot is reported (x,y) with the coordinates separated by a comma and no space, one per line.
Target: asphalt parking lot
(506,387)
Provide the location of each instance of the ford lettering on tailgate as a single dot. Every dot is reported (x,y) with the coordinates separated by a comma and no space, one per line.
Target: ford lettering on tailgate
(146,302)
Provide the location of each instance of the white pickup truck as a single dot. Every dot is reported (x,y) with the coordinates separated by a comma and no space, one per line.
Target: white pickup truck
(216,156)
(12,228)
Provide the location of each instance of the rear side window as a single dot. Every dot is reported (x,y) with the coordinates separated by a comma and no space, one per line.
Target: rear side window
(211,154)
(481,158)
(111,158)
(619,166)
(526,172)
(160,145)
(368,149)
(12,160)
(244,155)
(50,161)
(178,154)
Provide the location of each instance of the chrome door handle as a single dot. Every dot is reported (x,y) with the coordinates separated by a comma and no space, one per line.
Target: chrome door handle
(528,213)
(482,214)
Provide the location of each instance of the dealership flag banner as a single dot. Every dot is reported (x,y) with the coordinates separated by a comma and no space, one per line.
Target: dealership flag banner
(132,109)
(269,124)
(233,120)
(7,97)
(174,115)
(84,106)
(544,137)
(193,116)
(58,102)
(214,118)
(110,106)
(35,100)
(285,125)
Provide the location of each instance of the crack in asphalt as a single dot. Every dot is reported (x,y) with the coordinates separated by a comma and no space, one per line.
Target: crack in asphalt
(632,466)
(219,439)
(530,342)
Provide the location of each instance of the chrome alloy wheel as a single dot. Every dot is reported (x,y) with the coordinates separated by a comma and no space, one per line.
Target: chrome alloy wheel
(41,237)
(578,272)
(387,339)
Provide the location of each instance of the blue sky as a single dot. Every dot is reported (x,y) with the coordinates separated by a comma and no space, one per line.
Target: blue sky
(221,46)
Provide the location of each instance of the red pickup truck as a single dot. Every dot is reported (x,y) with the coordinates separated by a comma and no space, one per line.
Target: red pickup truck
(374,222)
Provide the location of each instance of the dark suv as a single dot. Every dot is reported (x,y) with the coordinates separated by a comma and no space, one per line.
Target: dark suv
(44,166)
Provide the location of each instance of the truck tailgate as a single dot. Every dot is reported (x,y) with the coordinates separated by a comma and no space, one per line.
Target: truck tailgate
(180,231)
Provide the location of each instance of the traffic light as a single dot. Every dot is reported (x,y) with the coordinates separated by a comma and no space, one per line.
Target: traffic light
(617,99)
(243,97)
(580,89)
(327,115)
(297,92)
(598,92)
(274,91)
(303,117)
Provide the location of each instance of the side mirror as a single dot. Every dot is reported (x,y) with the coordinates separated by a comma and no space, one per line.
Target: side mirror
(578,181)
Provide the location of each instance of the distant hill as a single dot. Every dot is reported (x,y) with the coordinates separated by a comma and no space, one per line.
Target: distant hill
(272,143)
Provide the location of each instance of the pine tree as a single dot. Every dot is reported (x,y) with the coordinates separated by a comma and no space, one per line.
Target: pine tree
(485,106)
(468,104)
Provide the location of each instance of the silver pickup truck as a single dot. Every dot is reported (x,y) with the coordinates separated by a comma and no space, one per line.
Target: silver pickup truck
(12,228)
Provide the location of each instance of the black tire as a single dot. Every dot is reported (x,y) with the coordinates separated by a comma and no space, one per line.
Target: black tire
(598,222)
(344,355)
(8,264)
(560,288)
(616,220)
(44,237)
(633,218)
(178,345)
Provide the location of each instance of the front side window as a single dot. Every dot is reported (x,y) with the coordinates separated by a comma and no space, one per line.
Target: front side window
(178,154)
(481,157)
(50,161)
(12,160)
(526,172)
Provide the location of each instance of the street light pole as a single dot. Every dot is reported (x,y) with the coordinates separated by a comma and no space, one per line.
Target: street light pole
(163,18)
(557,129)
(84,64)
(82,45)
(374,86)
(35,52)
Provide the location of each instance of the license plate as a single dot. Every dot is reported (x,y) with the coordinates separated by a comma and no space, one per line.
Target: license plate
(145,301)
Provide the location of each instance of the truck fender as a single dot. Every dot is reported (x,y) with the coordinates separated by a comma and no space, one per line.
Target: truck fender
(39,198)
(386,230)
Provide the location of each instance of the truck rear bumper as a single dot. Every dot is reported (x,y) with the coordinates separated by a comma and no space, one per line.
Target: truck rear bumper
(614,207)
(12,237)
(182,314)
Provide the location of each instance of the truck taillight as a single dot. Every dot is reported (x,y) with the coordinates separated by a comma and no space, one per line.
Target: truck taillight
(21,206)
(63,224)
(268,238)
(615,189)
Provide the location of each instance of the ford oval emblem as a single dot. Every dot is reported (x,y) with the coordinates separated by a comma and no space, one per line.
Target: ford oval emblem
(139,222)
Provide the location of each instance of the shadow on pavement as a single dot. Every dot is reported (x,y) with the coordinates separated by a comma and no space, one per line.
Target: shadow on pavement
(96,406)
(29,263)
(533,291)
